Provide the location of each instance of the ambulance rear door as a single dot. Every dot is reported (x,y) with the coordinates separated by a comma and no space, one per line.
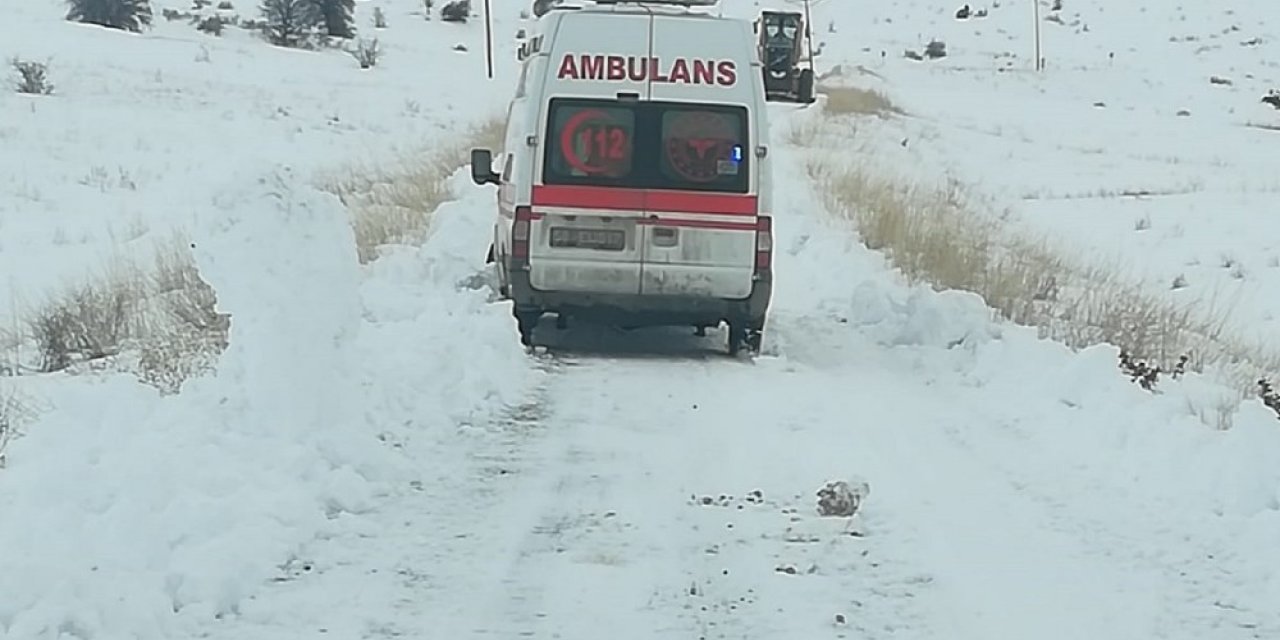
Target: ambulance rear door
(699,233)
(586,197)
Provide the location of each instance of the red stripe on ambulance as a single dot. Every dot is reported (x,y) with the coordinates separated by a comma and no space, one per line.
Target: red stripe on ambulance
(618,199)
(639,69)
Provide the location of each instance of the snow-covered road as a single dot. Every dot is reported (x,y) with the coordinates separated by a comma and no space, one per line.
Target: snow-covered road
(646,486)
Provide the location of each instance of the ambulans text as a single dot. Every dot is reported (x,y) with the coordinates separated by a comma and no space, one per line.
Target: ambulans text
(639,69)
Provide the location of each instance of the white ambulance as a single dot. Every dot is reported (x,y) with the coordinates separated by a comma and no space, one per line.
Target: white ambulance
(634,182)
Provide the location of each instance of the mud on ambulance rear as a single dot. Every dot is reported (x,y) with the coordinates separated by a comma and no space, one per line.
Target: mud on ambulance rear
(634,185)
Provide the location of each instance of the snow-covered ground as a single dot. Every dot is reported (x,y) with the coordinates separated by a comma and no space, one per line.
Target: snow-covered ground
(376,457)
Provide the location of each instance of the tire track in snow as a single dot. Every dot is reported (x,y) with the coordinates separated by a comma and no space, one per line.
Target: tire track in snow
(416,566)
(624,545)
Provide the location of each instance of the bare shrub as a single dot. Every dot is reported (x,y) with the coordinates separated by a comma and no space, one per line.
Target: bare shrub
(392,206)
(32,77)
(456,11)
(212,25)
(10,350)
(6,422)
(366,53)
(1146,375)
(12,413)
(856,101)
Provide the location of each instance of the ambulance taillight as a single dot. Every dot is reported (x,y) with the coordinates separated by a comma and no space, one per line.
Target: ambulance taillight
(520,237)
(764,243)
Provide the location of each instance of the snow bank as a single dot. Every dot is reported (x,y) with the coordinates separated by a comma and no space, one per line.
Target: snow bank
(1079,405)
(130,515)
(437,336)
(1076,414)
(124,511)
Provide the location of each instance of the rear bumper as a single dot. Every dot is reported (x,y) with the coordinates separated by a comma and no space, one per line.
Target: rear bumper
(645,310)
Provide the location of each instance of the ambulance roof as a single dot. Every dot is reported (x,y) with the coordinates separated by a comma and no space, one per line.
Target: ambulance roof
(629,6)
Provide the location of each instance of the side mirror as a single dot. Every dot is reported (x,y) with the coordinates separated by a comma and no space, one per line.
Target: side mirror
(482,167)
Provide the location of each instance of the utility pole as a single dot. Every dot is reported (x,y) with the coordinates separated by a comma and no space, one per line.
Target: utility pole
(488,36)
(1036,13)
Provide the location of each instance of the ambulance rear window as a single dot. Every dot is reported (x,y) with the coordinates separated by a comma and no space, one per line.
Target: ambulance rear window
(703,147)
(655,145)
(592,142)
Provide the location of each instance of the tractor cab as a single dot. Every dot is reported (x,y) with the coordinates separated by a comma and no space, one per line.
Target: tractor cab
(788,71)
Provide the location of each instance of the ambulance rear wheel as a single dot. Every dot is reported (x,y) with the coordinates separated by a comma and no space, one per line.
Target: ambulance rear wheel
(737,337)
(526,322)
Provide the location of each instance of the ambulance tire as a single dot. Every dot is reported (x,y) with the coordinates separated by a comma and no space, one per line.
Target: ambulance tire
(804,89)
(740,336)
(734,337)
(526,322)
(504,285)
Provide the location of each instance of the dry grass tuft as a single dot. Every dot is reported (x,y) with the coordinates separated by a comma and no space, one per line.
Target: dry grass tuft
(92,319)
(163,314)
(935,236)
(393,205)
(855,101)
(189,332)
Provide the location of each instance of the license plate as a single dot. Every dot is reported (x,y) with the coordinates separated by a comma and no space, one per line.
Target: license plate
(575,238)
